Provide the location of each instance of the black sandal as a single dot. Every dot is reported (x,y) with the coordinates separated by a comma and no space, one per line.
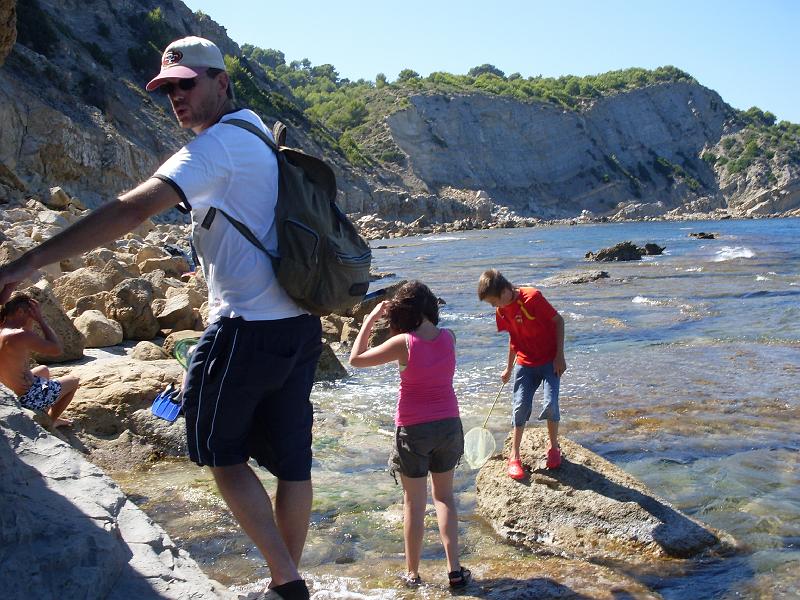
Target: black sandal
(459,579)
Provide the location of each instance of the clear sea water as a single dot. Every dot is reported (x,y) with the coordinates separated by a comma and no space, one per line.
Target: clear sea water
(684,369)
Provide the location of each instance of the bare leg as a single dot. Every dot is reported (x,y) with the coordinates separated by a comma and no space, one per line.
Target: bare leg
(41,371)
(552,431)
(446,516)
(292,514)
(415,494)
(250,504)
(517,441)
(69,385)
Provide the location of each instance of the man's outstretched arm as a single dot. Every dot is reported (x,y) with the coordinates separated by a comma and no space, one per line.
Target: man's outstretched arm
(105,224)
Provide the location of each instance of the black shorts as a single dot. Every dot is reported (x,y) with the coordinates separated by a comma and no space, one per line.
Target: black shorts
(436,446)
(247,394)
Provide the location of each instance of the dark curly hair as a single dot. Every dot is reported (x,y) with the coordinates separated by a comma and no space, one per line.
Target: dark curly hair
(413,301)
(17,302)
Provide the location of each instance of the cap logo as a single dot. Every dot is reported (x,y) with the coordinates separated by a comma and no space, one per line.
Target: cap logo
(171,57)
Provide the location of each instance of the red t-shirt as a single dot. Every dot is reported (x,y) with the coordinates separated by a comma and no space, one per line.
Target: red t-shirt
(529,322)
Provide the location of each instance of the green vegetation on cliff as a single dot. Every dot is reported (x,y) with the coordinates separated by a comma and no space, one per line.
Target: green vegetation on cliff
(761,141)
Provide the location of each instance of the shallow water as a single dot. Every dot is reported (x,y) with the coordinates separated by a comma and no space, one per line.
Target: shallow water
(683,369)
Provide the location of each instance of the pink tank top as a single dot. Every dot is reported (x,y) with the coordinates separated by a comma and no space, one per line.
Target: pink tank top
(426,384)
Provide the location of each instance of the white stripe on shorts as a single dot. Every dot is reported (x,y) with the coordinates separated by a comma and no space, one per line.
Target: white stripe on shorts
(216,405)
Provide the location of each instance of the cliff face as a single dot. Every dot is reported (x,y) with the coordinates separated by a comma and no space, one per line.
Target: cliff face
(545,161)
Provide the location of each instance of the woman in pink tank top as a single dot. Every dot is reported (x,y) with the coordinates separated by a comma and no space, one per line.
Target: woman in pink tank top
(428,434)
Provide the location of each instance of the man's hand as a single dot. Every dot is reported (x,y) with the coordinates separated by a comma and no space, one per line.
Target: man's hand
(559,364)
(36,310)
(378,311)
(505,375)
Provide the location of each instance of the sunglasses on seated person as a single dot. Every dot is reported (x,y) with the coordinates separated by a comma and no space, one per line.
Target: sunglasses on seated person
(183,84)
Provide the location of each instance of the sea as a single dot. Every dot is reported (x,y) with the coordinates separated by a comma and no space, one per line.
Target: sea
(683,369)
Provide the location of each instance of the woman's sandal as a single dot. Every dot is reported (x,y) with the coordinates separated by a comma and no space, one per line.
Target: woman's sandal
(459,579)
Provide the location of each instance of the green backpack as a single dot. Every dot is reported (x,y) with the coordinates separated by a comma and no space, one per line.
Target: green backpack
(322,261)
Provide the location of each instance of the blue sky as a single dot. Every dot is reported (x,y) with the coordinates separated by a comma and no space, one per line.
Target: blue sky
(747,51)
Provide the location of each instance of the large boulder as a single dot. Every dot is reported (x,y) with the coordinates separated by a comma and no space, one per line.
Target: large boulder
(112,390)
(85,281)
(588,508)
(130,305)
(99,330)
(72,340)
(68,531)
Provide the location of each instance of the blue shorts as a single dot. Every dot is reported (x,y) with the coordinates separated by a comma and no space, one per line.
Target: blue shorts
(247,394)
(526,382)
(42,394)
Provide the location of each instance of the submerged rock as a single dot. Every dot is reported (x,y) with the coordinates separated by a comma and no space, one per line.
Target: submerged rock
(573,278)
(702,235)
(588,508)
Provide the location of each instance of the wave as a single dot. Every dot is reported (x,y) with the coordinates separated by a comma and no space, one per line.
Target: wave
(646,300)
(445,238)
(733,252)
(694,270)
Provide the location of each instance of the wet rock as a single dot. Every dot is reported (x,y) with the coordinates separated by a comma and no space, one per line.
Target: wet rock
(72,341)
(702,235)
(625,251)
(329,368)
(653,249)
(621,252)
(68,513)
(588,508)
(99,330)
(573,278)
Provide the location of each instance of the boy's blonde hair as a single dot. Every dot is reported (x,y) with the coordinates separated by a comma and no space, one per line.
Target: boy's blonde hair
(492,283)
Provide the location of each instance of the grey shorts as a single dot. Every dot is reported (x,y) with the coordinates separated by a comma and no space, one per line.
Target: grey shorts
(436,447)
(42,394)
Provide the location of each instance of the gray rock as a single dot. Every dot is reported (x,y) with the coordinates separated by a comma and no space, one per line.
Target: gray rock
(68,531)
(588,508)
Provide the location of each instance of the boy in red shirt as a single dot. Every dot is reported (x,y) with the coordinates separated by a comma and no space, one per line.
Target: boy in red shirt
(536,344)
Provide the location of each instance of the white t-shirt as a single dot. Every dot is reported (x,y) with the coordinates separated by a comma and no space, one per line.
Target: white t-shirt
(229,168)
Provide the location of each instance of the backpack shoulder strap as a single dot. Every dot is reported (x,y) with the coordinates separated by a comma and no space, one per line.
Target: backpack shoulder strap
(279,133)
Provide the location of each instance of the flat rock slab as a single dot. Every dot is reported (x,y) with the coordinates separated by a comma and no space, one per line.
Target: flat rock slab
(588,508)
(68,531)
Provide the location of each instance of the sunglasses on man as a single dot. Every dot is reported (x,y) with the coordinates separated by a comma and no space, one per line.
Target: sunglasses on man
(183,84)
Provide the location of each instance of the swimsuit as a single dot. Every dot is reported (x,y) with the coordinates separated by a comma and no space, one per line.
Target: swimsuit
(42,394)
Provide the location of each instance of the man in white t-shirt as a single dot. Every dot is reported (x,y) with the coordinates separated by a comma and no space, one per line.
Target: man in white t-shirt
(248,384)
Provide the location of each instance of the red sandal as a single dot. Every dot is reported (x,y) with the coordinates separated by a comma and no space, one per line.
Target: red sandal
(515,470)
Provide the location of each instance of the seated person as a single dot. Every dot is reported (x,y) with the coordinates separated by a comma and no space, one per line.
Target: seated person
(18,340)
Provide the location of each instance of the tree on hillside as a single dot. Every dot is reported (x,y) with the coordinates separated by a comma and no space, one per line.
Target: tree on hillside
(266,57)
(485,68)
(407,75)
(380,80)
